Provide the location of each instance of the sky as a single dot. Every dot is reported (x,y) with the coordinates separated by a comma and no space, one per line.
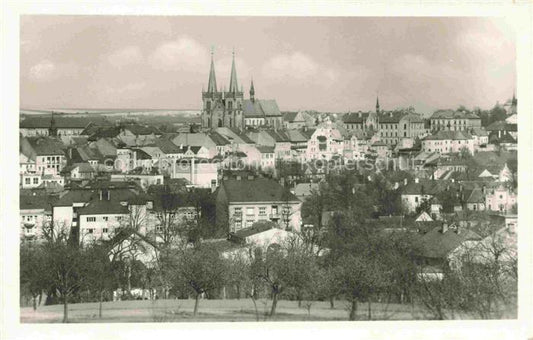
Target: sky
(335,64)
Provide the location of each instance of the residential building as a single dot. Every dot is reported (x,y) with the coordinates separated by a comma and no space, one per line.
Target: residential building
(46,153)
(501,199)
(450,120)
(326,142)
(242,202)
(445,142)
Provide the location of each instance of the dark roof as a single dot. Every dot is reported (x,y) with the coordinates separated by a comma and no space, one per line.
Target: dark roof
(278,136)
(83,167)
(28,202)
(260,108)
(218,138)
(60,122)
(265,149)
(167,146)
(256,190)
(44,146)
(502,126)
(449,135)
(103,207)
(436,244)
(475,196)
(138,129)
(256,228)
(75,196)
(140,154)
(451,114)
(355,117)
(290,116)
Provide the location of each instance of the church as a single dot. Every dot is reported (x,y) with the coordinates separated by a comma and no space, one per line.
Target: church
(230,109)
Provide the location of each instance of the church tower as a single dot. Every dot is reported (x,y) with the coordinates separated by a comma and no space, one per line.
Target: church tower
(210,99)
(377,104)
(233,100)
(52,130)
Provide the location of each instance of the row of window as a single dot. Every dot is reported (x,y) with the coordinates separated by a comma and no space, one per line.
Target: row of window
(104,218)
(92,230)
(53,159)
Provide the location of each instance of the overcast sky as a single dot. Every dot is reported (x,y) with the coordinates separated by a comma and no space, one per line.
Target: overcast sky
(329,64)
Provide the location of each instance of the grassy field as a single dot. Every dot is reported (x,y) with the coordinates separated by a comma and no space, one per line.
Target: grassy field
(212,310)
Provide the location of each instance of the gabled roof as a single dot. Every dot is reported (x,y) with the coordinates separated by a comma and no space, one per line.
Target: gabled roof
(83,167)
(138,129)
(60,122)
(260,108)
(295,136)
(44,146)
(218,138)
(355,117)
(30,202)
(256,190)
(103,207)
(167,146)
(436,244)
(140,154)
(290,116)
(265,148)
(278,136)
(451,114)
(475,196)
(449,135)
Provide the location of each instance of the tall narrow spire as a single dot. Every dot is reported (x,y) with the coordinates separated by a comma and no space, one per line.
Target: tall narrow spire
(233,87)
(377,103)
(212,85)
(252,90)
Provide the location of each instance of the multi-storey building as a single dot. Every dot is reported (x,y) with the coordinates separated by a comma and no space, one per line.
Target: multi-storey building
(445,142)
(450,120)
(242,202)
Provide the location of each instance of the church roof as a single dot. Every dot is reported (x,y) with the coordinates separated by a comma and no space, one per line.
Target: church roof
(260,108)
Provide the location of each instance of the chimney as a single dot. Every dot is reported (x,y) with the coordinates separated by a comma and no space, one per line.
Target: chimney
(453,180)
(405,181)
(460,187)
(416,180)
(238,177)
(484,189)
(444,227)
(100,194)
(108,195)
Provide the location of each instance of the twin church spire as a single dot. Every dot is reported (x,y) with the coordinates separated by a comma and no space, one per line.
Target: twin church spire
(233,84)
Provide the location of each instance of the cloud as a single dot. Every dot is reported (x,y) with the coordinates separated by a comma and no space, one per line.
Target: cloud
(298,67)
(125,57)
(43,71)
(183,54)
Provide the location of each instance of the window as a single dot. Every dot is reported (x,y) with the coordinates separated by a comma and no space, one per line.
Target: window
(262,211)
(416,199)
(105,218)
(104,230)
(91,219)
(250,211)
(249,223)
(119,218)
(90,230)
(35,180)
(27,180)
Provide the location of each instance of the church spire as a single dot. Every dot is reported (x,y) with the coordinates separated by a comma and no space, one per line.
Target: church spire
(233,87)
(252,90)
(212,85)
(377,104)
